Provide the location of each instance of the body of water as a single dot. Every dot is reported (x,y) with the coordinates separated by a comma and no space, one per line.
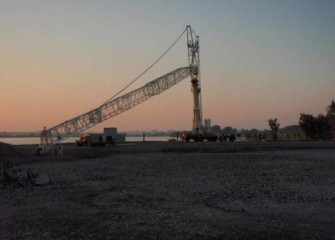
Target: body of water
(36,140)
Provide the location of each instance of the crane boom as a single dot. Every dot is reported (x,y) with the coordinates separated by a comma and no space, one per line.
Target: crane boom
(111,108)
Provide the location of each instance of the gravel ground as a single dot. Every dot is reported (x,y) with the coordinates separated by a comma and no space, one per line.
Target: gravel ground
(164,191)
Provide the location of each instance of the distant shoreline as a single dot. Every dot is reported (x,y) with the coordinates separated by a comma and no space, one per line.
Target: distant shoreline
(18,136)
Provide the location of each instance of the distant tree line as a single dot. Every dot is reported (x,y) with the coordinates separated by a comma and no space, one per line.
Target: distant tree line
(292,132)
(321,127)
(313,128)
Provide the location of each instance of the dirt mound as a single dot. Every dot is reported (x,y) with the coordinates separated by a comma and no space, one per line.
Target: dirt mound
(8,150)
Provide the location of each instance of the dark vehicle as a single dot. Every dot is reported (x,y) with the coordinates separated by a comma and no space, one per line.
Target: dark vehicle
(229,137)
(93,140)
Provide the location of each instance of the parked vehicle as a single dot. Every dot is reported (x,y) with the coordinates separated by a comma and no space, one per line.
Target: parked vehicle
(92,139)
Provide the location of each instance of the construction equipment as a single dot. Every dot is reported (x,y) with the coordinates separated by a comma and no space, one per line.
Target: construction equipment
(109,109)
(92,139)
(198,131)
(115,106)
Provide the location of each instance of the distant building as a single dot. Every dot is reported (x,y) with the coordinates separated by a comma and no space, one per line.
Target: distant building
(208,124)
(216,130)
(112,134)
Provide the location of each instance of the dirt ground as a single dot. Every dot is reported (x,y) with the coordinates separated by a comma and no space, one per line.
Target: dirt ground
(173,190)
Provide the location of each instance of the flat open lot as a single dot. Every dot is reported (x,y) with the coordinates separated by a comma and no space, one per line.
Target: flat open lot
(175,191)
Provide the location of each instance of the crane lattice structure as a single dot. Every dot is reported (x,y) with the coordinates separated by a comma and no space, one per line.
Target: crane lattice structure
(115,106)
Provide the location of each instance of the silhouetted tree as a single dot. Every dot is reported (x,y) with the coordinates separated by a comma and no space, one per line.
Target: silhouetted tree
(331,110)
(323,127)
(274,127)
(331,118)
(315,128)
(308,124)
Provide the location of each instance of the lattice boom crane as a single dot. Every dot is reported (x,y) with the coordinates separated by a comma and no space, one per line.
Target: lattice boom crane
(110,109)
(123,103)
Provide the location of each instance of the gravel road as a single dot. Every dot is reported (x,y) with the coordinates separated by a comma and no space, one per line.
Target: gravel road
(175,191)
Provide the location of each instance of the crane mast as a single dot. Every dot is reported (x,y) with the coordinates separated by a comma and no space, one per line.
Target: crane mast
(193,62)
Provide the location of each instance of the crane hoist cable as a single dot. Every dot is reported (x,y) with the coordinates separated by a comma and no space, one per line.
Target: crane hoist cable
(146,70)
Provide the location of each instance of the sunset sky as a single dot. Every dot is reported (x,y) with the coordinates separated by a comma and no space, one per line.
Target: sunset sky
(260,59)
